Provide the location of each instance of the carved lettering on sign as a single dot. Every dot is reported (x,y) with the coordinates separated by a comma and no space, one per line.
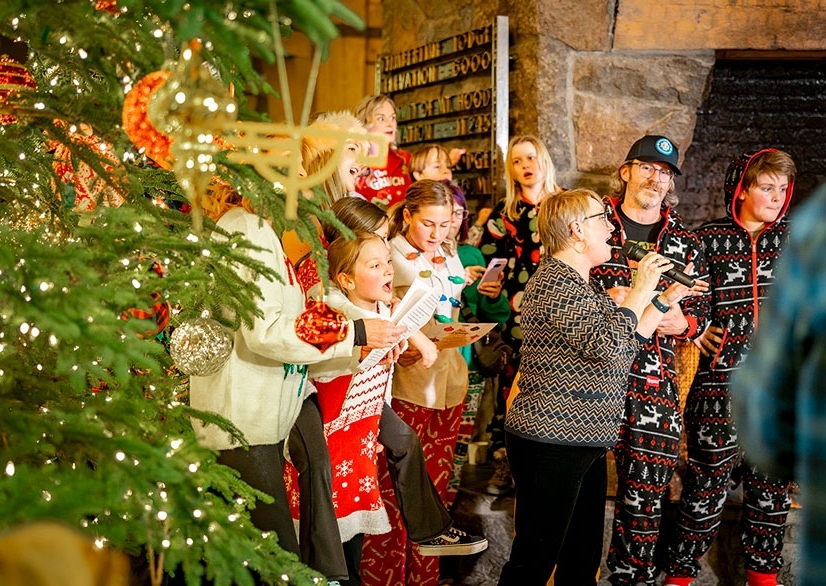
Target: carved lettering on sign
(447,92)
(444,105)
(431,51)
(414,78)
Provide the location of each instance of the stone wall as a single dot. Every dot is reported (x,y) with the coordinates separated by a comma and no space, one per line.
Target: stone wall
(686,25)
(591,76)
(754,104)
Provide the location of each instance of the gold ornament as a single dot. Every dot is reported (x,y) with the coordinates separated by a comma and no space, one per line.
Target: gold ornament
(199,115)
(189,107)
(274,150)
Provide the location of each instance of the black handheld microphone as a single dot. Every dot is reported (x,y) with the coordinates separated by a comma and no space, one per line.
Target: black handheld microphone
(634,252)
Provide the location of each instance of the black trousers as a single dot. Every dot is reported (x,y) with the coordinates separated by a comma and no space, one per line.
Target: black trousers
(318,535)
(422,510)
(262,467)
(560,513)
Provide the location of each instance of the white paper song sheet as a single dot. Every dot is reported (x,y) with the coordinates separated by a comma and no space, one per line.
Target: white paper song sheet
(414,311)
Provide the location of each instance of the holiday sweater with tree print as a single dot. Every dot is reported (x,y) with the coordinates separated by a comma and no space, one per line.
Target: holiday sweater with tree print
(741,267)
(656,361)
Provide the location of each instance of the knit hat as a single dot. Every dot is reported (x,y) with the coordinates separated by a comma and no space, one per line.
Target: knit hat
(655,149)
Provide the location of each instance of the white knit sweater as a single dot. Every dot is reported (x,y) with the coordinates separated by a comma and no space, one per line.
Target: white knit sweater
(259,388)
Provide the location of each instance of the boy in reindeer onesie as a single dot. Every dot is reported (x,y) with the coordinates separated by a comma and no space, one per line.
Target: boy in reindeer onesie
(741,250)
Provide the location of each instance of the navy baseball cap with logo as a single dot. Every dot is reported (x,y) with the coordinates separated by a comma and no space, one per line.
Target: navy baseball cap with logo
(655,149)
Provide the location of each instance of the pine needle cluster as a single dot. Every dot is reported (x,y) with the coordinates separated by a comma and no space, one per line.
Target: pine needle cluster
(95,429)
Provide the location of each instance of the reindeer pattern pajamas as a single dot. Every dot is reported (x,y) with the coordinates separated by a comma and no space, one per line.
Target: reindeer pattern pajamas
(649,439)
(741,267)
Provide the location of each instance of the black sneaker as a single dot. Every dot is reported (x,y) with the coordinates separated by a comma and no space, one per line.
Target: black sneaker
(453,542)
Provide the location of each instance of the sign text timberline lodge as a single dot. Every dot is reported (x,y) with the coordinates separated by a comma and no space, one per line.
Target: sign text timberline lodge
(463,65)
(455,44)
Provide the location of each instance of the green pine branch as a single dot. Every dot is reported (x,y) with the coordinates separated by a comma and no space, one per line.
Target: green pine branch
(96,430)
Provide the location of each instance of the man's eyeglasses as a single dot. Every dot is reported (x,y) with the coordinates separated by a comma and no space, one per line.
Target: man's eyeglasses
(646,171)
(605,214)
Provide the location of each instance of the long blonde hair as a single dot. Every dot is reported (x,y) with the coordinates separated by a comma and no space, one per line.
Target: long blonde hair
(316,152)
(513,190)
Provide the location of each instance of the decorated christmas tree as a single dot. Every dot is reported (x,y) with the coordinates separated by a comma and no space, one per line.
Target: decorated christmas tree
(102,254)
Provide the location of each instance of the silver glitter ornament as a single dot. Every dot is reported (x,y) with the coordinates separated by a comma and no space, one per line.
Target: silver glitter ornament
(200,346)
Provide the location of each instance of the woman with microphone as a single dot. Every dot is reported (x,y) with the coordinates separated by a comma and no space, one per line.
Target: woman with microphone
(577,350)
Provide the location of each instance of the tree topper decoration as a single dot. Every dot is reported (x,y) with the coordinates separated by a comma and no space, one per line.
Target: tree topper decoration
(199,115)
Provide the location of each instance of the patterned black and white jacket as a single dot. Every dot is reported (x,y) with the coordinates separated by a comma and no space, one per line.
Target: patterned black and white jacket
(576,352)
(741,267)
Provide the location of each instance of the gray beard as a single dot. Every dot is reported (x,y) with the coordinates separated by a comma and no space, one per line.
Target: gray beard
(645,202)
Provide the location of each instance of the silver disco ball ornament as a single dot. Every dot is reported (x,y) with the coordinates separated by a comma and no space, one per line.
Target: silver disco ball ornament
(200,346)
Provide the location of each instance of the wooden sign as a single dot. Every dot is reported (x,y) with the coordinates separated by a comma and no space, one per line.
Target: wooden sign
(454,92)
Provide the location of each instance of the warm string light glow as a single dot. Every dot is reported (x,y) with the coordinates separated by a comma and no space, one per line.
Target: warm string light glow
(157,509)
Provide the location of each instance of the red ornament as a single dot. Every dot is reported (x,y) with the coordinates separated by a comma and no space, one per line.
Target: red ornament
(88,187)
(13,78)
(137,125)
(110,6)
(321,325)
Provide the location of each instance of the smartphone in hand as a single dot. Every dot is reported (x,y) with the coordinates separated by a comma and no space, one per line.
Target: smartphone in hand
(495,268)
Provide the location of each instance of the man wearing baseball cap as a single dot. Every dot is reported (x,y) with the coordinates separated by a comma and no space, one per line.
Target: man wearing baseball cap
(649,437)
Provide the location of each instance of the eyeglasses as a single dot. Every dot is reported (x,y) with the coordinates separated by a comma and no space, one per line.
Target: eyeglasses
(646,171)
(460,213)
(606,213)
